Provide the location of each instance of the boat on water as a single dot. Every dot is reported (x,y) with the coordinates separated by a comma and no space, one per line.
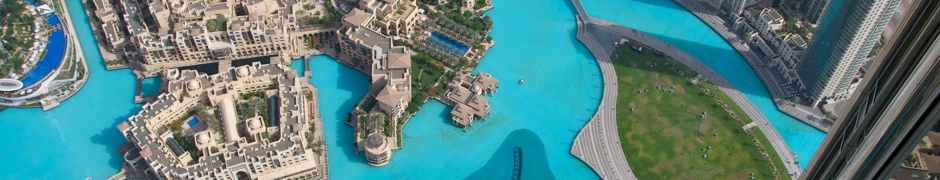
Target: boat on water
(521,80)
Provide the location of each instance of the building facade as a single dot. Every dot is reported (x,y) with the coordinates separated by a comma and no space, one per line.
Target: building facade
(896,106)
(163,34)
(814,11)
(366,45)
(396,17)
(840,46)
(250,149)
(733,7)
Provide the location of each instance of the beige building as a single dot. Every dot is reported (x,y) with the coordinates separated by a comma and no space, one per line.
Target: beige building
(365,46)
(378,149)
(465,94)
(164,34)
(373,53)
(111,31)
(395,17)
(250,149)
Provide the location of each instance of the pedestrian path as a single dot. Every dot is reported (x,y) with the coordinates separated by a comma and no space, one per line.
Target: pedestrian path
(613,30)
(598,143)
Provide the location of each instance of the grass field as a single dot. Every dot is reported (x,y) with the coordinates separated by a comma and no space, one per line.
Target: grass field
(663,134)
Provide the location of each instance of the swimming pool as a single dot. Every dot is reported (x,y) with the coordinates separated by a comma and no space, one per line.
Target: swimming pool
(55,51)
(192,122)
(450,42)
(78,139)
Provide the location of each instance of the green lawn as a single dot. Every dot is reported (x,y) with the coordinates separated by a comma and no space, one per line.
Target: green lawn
(425,71)
(664,135)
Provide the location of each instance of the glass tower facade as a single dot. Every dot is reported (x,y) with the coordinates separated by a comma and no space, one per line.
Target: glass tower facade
(841,44)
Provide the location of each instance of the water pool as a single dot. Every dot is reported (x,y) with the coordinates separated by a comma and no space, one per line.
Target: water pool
(55,51)
(150,86)
(192,122)
(78,139)
(680,28)
(450,42)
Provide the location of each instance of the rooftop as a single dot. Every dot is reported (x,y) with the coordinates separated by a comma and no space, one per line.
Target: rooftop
(358,17)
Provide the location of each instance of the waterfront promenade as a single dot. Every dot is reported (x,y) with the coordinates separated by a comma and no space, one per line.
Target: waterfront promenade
(592,143)
(708,15)
(598,143)
(615,31)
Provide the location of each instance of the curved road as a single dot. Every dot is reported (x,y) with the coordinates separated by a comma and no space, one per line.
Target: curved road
(598,143)
(770,132)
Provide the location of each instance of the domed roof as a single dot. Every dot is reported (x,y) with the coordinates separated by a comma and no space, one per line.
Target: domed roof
(203,138)
(241,71)
(193,84)
(254,124)
(375,140)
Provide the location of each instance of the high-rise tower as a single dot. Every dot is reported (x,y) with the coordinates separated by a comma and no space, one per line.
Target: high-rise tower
(840,46)
(734,7)
(815,10)
(898,102)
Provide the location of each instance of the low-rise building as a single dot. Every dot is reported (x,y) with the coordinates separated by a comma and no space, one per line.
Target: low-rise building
(395,17)
(251,148)
(465,94)
(389,67)
(165,34)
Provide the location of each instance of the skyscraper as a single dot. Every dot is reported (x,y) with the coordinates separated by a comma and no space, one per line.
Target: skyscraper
(734,7)
(815,10)
(841,44)
(898,102)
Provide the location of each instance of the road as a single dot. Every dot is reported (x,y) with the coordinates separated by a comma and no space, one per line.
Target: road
(762,123)
(707,15)
(598,143)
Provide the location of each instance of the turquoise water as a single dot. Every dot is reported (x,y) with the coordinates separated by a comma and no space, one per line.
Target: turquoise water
(150,86)
(77,139)
(675,25)
(535,40)
(561,93)
(298,65)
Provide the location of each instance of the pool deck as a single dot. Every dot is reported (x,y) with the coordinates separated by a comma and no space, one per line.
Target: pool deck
(708,15)
(591,144)
(79,56)
(48,85)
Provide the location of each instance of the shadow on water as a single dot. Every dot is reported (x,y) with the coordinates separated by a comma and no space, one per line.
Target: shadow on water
(208,68)
(728,63)
(111,138)
(501,165)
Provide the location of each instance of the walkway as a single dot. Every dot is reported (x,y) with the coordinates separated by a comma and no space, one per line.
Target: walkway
(707,15)
(789,160)
(598,143)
